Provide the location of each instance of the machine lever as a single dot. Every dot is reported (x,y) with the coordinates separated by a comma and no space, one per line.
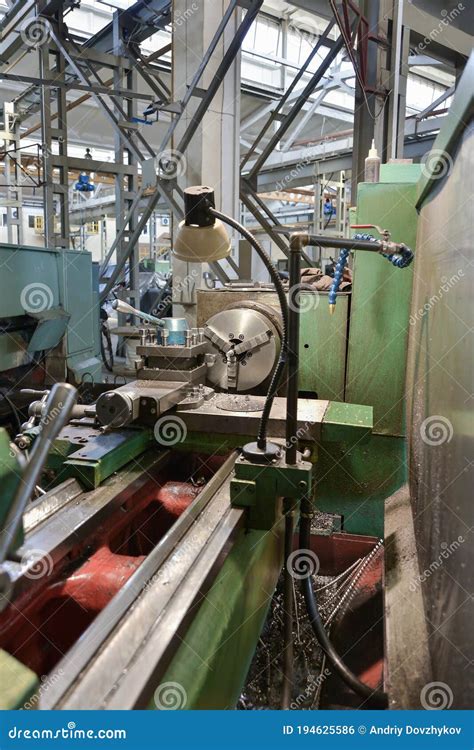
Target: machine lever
(124,307)
(33,392)
(55,416)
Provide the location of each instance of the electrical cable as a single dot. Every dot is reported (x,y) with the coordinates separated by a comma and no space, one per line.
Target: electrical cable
(375,697)
(280,365)
(357,73)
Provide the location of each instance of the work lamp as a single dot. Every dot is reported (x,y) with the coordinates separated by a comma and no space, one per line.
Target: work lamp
(201,237)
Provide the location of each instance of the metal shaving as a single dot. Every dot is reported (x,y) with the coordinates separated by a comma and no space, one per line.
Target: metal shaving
(265,678)
(264,682)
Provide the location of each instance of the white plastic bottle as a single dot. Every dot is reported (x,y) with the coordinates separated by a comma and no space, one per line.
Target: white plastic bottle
(372,165)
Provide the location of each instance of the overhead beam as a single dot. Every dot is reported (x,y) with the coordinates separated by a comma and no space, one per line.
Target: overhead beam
(144,17)
(443,41)
(315,7)
(305,93)
(285,170)
(273,179)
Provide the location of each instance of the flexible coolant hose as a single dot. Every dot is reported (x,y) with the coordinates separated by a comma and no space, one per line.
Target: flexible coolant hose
(374,697)
(280,366)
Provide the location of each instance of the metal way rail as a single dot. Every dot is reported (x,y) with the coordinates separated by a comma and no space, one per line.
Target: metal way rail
(121,657)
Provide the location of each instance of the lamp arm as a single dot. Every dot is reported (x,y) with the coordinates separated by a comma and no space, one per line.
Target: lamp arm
(280,365)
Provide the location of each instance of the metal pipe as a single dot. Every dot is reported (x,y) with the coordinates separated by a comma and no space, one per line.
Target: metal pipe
(56,415)
(297,243)
(396,68)
(347,243)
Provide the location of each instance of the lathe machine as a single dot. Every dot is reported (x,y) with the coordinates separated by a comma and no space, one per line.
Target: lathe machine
(149,525)
(140,543)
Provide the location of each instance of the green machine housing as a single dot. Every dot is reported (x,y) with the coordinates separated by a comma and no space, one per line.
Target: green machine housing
(356,479)
(49,303)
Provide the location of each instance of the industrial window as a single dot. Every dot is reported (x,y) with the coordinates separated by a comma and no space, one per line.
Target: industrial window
(92,227)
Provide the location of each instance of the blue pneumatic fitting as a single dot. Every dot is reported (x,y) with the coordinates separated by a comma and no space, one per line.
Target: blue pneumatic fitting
(338,274)
(401,259)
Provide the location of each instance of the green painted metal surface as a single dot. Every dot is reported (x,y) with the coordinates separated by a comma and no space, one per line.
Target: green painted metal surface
(380,310)
(212,662)
(18,686)
(323,343)
(261,488)
(52,326)
(76,285)
(399,173)
(91,458)
(348,422)
(10,475)
(461,111)
(30,269)
(355,479)
(48,283)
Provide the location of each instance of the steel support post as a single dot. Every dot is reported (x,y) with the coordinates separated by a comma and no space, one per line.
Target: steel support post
(13,174)
(368,105)
(396,74)
(126,211)
(60,133)
(46,147)
(54,139)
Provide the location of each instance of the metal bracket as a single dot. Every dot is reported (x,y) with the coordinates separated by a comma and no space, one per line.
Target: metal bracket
(261,489)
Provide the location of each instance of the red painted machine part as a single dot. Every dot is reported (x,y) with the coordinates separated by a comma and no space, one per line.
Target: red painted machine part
(40,626)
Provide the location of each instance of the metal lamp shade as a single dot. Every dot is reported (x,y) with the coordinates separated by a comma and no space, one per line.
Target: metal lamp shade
(196,244)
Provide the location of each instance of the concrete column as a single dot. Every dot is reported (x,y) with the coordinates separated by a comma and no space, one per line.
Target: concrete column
(212,157)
